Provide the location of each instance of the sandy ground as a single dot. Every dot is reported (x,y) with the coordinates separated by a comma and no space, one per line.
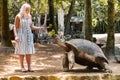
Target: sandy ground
(46,61)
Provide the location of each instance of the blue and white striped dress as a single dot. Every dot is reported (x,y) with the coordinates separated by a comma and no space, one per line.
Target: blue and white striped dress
(25,45)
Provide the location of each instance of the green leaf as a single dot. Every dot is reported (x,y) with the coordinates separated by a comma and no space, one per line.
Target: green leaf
(52,32)
(104,1)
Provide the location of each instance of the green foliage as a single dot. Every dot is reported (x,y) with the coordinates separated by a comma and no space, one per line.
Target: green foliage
(99,8)
(50,26)
(61,4)
(43,6)
(51,33)
(79,8)
(12,10)
(37,7)
(104,1)
(94,22)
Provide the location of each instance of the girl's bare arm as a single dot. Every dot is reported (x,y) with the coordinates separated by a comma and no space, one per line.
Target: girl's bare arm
(35,27)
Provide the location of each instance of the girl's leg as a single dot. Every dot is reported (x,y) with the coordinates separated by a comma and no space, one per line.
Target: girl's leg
(21,57)
(28,60)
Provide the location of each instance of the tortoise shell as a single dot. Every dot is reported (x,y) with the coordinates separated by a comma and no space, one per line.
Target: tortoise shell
(86,52)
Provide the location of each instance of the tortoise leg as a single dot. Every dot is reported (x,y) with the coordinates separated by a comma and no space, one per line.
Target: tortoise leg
(89,68)
(106,67)
(100,68)
(65,62)
(71,59)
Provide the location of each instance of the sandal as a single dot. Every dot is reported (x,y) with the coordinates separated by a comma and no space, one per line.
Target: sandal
(23,70)
(29,70)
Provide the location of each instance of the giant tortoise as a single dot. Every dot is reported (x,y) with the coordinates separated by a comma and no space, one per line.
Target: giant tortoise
(83,52)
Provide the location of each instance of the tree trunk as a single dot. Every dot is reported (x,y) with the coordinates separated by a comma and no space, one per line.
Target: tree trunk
(51,14)
(67,21)
(5,41)
(0,17)
(88,20)
(110,30)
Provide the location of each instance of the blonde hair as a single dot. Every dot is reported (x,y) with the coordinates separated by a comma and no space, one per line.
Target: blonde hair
(23,8)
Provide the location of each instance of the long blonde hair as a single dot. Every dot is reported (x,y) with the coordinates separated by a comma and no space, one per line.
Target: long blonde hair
(23,8)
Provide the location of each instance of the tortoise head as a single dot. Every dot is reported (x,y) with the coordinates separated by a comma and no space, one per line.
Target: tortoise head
(59,42)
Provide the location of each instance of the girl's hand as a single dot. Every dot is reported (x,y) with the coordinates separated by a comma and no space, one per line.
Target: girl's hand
(16,39)
(42,28)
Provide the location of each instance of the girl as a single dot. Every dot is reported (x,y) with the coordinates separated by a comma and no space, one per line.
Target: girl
(24,37)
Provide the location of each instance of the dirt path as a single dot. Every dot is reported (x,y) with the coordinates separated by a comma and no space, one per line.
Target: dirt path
(47,60)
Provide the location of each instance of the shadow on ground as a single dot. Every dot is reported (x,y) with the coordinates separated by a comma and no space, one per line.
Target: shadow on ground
(47,60)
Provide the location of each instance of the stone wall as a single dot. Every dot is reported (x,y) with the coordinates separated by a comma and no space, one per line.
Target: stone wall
(66,77)
(102,38)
